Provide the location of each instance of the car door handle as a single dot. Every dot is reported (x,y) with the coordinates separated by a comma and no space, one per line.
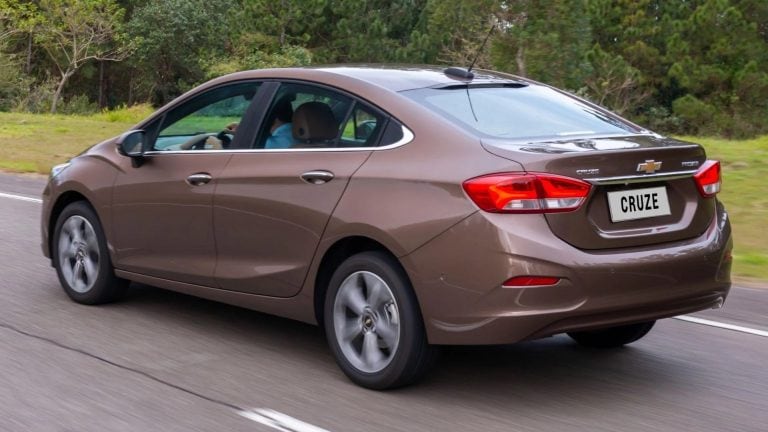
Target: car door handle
(317,177)
(199,179)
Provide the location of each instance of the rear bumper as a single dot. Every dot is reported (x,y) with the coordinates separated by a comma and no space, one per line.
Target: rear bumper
(458,275)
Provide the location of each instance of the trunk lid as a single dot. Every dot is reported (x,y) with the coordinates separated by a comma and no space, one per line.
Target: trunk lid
(656,172)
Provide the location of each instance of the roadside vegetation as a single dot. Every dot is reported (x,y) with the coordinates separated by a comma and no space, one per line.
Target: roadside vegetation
(745,169)
(697,67)
(33,143)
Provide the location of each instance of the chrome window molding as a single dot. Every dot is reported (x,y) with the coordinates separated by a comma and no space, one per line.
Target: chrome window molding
(407,138)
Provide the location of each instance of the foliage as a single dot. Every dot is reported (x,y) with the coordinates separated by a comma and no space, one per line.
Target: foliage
(547,40)
(613,81)
(681,66)
(125,114)
(720,64)
(38,99)
(13,81)
(71,32)
(171,37)
(454,32)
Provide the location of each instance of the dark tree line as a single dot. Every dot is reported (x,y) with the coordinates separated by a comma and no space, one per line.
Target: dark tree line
(686,66)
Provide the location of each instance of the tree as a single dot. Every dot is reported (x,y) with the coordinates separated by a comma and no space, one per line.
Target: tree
(719,59)
(338,31)
(73,32)
(12,80)
(456,31)
(545,40)
(614,83)
(173,40)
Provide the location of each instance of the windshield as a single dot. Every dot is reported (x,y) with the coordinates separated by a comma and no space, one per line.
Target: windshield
(517,112)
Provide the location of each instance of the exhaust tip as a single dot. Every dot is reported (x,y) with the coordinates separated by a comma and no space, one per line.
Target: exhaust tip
(718,303)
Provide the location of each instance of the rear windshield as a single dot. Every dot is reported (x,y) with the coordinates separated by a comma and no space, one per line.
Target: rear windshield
(517,112)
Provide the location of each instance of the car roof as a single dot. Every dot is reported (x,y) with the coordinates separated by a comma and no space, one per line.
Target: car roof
(395,78)
(407,77)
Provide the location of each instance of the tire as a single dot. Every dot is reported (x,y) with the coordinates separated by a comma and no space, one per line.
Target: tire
(81,257)
(373,323)
(612,337)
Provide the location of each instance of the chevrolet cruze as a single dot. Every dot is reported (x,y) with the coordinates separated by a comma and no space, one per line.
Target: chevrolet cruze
(400,209)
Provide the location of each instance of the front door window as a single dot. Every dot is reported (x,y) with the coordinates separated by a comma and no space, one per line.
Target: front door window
(208,122)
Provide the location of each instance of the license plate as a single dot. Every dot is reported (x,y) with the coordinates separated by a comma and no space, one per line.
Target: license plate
(638,204)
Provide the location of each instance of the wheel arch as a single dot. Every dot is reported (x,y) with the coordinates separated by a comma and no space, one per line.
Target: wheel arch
(334,256)
(61,203)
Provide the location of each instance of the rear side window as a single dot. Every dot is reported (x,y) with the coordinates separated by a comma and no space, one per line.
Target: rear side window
(392,134)
(517,112)
(362,127)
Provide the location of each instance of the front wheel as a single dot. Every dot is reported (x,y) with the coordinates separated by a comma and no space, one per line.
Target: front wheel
(373,323)
(612,337)
(81,258)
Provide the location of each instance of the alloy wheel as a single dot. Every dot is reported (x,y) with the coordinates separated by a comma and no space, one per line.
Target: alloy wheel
(79,255)
(366,321)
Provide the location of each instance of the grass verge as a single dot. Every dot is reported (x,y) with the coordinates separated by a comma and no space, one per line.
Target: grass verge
(36,142)
(745,167)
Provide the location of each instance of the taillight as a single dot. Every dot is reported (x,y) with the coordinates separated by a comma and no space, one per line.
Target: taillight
(708,178)
(526,192)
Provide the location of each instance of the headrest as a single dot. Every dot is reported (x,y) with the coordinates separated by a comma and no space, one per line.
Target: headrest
(314,121)
(283,109)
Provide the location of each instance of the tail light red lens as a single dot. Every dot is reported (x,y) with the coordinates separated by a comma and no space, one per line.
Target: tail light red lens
(527,192)
(708,179)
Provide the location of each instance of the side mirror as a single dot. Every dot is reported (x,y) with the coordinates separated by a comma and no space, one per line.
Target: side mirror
(132,144)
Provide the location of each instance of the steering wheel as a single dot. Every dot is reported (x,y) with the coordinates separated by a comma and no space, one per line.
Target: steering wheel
(199,141)
(225,136)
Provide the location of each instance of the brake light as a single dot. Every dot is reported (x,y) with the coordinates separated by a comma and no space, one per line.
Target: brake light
(526,192)
(708,179)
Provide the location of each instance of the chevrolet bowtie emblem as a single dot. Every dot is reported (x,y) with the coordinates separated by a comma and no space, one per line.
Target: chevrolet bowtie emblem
(649,166)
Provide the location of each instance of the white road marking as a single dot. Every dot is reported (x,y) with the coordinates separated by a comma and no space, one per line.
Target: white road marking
(279,421)
(722,325)
(20,197)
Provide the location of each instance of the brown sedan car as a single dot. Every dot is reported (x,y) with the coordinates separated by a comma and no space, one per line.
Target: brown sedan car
(399,208)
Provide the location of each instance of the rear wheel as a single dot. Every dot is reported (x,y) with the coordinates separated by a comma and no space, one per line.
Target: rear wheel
(373,323)
(81,258)
(612,337)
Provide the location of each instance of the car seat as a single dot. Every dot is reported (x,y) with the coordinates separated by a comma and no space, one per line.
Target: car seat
(314,125)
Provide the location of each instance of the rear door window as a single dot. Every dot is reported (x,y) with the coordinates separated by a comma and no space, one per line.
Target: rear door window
(310,116)
(303,116)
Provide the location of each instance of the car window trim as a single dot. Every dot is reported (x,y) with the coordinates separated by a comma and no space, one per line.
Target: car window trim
(355,99)
(407,138)
(155,121)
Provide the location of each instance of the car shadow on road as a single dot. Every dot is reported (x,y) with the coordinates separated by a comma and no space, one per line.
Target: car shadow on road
(552,372)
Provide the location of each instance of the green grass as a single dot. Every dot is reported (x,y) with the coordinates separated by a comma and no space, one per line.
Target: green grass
(36,142)
(745,195)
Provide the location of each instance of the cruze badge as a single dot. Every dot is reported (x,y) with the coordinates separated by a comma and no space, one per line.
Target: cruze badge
(649,166)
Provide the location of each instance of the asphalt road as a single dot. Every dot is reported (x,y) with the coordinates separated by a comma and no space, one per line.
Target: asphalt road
(160,361)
